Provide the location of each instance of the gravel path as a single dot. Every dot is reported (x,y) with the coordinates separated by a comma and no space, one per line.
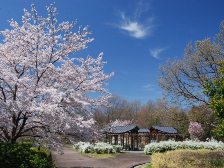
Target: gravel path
(73,159)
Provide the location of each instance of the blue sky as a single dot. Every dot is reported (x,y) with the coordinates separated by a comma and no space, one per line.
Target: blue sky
(137,37)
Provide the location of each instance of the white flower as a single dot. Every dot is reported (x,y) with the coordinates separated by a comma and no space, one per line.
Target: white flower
(187,144)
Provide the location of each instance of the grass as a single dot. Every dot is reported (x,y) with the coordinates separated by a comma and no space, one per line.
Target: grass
(147,165)
(186,158)
(99,156)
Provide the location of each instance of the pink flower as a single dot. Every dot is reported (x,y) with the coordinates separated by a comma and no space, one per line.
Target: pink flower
(195,130)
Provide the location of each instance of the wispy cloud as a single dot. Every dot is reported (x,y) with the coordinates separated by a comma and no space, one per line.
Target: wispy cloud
(135,25)
(156,52)
(149,87)
(134,28)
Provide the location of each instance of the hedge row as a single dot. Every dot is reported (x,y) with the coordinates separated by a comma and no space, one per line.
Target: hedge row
(24,156)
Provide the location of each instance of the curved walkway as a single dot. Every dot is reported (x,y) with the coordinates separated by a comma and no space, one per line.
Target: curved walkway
(73,159)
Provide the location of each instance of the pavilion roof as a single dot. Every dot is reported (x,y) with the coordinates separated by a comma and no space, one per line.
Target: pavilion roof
(128,128)
(121,129)
(165,129)
(143,130)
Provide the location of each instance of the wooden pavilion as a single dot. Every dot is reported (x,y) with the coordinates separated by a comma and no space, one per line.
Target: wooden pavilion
(131,137)
(126,136)
(162,133)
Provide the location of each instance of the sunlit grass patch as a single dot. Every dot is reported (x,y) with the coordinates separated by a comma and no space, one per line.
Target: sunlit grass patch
(186,158)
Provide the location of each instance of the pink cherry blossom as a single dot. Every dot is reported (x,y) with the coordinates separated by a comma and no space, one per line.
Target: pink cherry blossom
(195,130)
(45,90)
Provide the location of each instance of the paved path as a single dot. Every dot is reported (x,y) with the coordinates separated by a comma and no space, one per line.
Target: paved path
(73,159)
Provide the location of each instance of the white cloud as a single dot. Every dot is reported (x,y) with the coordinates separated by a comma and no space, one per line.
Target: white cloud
(156,52)
(135,25)
(134,28)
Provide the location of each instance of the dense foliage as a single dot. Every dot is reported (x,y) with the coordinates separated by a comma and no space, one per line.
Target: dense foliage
(164,146)
(99,148)
(215,91)
(189,159)
(24,156)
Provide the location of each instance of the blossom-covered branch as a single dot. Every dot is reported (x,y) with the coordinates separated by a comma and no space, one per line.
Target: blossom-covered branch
(44,90)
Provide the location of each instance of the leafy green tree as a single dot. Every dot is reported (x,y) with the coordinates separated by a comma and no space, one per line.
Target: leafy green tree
(215,92)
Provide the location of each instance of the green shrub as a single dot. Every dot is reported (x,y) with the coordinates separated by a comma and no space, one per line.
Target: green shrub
(23,156)
(186,158)
(40,162)
(41,151)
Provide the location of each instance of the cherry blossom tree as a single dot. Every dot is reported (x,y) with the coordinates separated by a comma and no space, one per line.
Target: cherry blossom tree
(45,91)
(118,122)
(195,130)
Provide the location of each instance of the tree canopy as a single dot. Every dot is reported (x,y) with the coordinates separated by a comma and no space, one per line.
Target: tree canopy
(215,91)
(185,79)
(44,88)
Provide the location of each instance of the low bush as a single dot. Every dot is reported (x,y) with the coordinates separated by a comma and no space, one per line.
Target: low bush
(24,156)
(99,148)
(186,158)
(117,148)
(83,147)
(164,146)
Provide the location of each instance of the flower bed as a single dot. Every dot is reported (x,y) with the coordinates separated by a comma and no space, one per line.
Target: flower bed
(99,148)
(164,146)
